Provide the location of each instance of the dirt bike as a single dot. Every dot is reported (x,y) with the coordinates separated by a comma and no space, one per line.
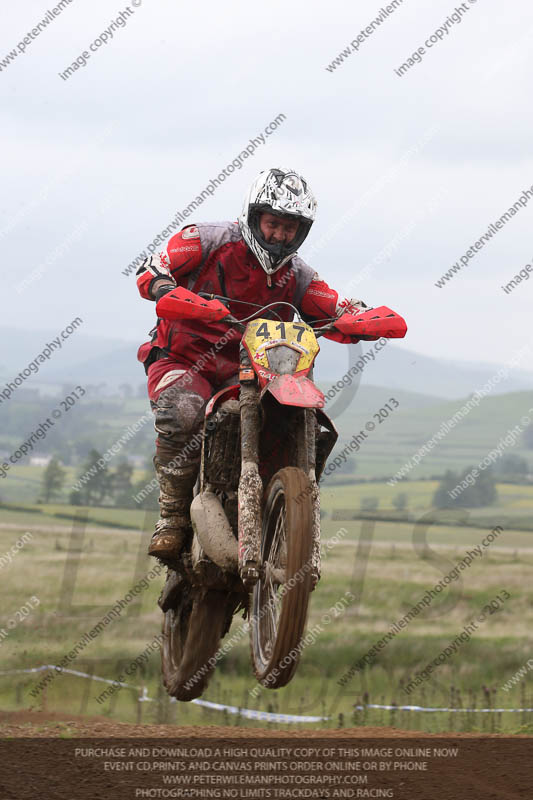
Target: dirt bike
(256,508)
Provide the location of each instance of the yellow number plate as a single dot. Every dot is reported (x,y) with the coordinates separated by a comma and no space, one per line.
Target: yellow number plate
(264,333)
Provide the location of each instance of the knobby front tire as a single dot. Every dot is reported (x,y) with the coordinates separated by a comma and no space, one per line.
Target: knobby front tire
(280,598)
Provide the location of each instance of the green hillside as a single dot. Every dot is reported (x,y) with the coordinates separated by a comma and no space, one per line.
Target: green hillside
(396,436)
(399,436)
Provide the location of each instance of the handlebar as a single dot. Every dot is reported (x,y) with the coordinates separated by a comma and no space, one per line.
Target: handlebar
(370,324)
(240,324)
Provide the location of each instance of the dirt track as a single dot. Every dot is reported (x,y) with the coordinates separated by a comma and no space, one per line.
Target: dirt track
(47,756)
(51,724)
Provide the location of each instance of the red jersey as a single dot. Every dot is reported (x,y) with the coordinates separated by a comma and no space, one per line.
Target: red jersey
(214,258)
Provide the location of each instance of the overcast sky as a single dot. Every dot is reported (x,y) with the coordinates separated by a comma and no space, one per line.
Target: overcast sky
(98,164)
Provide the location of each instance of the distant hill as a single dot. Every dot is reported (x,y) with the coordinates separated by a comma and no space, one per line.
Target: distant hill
(368,399)
(83,359)
(397,367)
(94,360)
(390,424)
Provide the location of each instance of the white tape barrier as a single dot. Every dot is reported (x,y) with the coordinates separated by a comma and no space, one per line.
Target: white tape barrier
(50,667)
(457,710)
(251,713)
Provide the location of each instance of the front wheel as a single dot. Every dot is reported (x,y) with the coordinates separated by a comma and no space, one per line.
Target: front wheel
(281,595)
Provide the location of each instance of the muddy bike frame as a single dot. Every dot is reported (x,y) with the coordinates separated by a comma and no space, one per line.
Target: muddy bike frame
(289,386)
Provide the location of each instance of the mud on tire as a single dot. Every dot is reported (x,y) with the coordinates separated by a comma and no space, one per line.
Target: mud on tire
(281,596)
(191,635)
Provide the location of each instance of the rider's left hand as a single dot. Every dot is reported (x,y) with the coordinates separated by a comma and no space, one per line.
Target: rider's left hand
(347,306)
(350,305)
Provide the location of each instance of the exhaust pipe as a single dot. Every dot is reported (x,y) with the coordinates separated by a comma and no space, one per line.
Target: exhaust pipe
(213,530)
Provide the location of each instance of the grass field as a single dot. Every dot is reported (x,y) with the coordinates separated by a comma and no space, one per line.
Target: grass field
(78,576)
(23,483)
(513,500)
(512,509)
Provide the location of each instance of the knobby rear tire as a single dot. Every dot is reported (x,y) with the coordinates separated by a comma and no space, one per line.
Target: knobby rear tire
(191,635)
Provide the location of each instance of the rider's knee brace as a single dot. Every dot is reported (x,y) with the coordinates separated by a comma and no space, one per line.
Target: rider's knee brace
(178,422)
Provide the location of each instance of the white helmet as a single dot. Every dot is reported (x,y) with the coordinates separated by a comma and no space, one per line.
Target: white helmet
(281,192)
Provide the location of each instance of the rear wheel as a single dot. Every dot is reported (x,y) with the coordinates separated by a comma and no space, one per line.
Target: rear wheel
(192,631)
(281,595)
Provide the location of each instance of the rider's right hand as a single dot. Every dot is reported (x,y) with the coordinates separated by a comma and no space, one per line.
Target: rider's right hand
(161,288)
(158,267)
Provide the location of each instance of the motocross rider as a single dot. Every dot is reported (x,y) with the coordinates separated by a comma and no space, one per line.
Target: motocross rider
(253,262)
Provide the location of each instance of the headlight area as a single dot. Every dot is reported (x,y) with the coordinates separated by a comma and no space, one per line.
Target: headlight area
(283,359)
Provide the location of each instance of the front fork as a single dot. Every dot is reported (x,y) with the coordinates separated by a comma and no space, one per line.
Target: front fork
(310,429)
(250,490)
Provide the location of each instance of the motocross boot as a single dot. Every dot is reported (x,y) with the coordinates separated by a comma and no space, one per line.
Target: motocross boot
(178,416)
(173,529)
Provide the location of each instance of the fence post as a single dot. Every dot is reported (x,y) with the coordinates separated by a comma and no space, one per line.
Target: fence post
(139,706)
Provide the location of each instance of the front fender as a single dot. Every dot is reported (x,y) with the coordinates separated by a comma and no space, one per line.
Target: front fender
(290,390)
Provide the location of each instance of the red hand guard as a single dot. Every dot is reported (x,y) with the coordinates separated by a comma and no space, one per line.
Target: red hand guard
(372,324)
(183,304)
